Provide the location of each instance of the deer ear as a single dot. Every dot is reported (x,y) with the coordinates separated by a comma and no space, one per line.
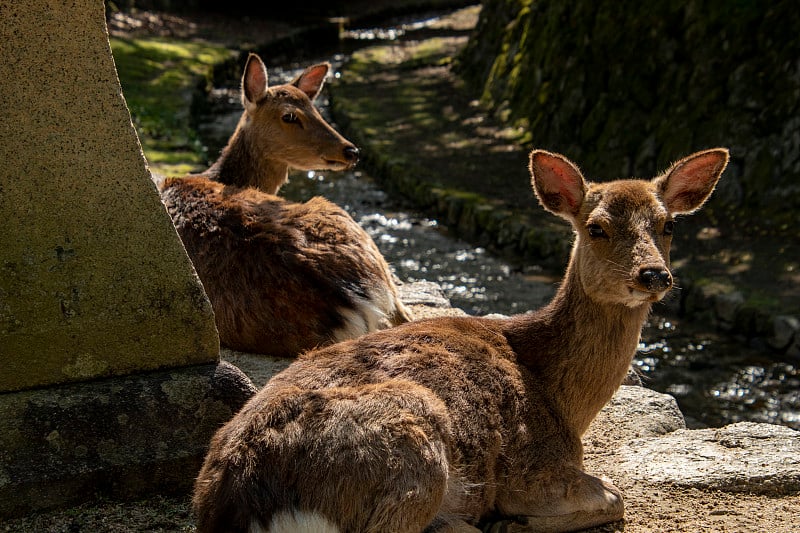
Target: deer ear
(312,78)
(557,182)
(254,81)
(689,182)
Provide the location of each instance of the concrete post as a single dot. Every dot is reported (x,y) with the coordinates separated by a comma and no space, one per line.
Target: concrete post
(94,282)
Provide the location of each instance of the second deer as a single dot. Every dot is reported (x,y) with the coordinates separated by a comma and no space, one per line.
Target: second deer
(282,277)
(445,424)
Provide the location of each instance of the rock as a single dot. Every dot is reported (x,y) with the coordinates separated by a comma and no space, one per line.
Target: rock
(726,305)
(426,299)
(640,436)
(700,296)
(784,330)
(423,293)
(258,367)
(742,457)
(118,438)
(632,413)
(633,377)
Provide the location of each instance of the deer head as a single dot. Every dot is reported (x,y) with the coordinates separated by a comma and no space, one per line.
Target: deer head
(624,228)
(282,125)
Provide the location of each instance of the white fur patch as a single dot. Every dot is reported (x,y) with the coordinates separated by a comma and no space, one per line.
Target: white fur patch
(296,522)
(369,314)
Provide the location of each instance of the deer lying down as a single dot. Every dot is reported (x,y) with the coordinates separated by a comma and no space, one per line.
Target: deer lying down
(282,277)
(443,424)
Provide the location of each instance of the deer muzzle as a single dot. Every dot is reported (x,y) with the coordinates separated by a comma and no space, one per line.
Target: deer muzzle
(347,159)
(351,154)
(654,280)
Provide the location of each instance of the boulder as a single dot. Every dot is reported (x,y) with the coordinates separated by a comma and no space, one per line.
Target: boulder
(742,457)
(640,436)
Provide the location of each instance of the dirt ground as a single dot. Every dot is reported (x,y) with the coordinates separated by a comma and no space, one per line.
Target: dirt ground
(649,508)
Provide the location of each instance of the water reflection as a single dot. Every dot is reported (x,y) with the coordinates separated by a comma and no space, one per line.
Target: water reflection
(388,34)
(717,380)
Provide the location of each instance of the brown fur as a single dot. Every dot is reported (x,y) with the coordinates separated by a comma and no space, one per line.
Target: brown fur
(439,425)
(282,277)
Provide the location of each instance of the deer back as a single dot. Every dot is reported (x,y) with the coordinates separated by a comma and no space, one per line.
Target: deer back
(282,277)
(438,399)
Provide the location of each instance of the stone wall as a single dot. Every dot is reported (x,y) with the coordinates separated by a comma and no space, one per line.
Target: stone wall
(645,83)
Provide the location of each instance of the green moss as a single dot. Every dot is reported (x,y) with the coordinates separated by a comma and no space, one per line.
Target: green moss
(464,196)
(158,77)
(763,301)
(649,83)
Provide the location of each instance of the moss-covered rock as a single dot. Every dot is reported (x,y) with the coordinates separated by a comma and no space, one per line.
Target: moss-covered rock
(645,83)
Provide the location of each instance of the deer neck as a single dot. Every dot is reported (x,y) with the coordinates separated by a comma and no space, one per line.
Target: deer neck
(578,349)
(241,165)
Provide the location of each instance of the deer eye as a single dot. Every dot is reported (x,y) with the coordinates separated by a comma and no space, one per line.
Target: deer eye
(290,118)
(669,227)
(596,231)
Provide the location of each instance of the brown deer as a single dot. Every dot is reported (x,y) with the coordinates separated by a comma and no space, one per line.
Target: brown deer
(280,128)
(282,277)
(448,424)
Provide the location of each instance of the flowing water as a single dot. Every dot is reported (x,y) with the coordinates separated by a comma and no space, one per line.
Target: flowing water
(716,380)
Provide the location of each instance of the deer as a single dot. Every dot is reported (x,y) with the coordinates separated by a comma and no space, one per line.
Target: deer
(451,424)
(282,277)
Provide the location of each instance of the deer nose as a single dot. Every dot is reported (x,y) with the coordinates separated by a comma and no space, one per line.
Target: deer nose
(655,279)
(351,154)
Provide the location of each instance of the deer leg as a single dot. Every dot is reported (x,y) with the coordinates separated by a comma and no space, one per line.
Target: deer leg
(573,500)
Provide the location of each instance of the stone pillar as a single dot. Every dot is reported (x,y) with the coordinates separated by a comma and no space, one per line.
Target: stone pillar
(96,289)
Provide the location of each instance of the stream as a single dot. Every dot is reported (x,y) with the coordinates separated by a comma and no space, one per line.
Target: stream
(716,380)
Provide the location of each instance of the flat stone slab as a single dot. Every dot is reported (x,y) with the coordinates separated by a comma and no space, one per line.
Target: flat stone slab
(118,438)
(742,457)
